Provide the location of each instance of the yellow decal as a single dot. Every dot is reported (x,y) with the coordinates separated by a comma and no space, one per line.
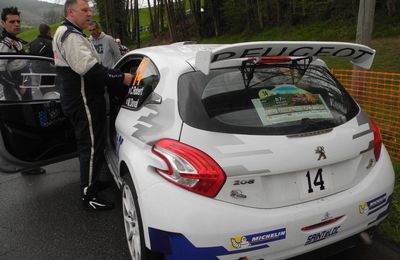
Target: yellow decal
(264,93)
(238,242)
(140,72)
(362,207)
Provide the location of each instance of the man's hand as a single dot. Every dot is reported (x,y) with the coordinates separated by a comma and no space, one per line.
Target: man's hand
(128,78)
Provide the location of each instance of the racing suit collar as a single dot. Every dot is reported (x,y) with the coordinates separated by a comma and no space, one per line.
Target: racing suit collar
(12,37)
(68,22)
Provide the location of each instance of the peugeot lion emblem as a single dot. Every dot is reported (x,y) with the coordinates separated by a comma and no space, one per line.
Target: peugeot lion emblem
(321,151)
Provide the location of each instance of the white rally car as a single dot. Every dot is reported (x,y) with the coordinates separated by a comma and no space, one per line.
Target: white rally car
(243,151)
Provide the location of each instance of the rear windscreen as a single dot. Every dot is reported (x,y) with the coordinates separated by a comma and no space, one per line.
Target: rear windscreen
(265,99)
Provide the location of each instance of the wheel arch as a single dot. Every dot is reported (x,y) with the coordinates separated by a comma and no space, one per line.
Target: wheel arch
(124,170)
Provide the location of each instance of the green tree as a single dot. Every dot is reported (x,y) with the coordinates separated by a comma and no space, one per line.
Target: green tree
(178,26)
(213,23)
(113,17)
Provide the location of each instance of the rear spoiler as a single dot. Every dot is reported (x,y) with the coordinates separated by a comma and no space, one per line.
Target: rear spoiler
(360,55)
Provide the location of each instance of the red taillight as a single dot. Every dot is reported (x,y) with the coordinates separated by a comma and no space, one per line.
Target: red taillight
(189,168)
(377,140)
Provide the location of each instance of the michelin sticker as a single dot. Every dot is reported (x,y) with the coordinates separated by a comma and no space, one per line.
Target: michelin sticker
(322,235)
(369,206)
(241,242)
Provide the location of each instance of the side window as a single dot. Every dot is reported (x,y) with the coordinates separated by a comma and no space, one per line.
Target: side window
(27,79)
(145,81)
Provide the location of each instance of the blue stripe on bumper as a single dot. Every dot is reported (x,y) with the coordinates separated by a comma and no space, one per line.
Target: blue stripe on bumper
(177,246)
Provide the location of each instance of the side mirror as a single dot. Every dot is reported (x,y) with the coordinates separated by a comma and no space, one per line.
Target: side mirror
(154,98)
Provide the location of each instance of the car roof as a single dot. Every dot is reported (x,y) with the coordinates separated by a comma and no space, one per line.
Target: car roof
(181,55)
(179,50)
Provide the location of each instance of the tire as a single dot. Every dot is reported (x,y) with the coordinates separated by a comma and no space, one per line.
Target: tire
(133,220)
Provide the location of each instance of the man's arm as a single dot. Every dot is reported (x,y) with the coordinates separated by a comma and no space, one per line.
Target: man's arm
(80,58)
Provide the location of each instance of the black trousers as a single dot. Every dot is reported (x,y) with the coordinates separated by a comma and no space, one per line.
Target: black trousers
(88,117)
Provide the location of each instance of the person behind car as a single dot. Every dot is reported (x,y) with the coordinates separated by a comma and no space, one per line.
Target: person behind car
(105,45)
(122,48)
(81,78)
(42,45)
(10,71)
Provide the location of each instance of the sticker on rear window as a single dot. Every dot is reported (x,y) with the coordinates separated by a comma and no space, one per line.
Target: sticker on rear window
(286,103)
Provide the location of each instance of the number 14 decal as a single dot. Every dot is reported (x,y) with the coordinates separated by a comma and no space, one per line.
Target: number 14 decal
(318,181)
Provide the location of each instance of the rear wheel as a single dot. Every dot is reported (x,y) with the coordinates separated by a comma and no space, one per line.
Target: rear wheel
(132,220)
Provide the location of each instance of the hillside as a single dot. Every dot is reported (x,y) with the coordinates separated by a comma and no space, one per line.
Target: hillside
(386,39)
(34,12)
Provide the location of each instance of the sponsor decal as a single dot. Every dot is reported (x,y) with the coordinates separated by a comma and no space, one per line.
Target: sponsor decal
(312,50)
(372,205)
(135,92)
(140,72)
(50,114)
(362,207)
(287,103)
(119,140)
(257,239)
(383,213)
(322,235)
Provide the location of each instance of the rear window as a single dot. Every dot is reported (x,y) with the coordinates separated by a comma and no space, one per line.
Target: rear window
(268,99)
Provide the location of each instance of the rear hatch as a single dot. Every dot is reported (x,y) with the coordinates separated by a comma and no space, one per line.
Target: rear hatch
(282,133)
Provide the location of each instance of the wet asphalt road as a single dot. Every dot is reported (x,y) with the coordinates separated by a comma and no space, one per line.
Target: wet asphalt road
(41,218)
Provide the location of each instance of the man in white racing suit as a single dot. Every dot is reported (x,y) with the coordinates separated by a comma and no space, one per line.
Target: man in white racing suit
(81,79)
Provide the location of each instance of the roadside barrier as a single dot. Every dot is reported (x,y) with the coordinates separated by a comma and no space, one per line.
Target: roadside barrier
(378,93)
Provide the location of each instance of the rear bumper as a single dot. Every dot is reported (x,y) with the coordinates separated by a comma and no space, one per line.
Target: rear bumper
(183,225)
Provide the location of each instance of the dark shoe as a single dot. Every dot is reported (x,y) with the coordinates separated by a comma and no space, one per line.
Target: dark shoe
(96,203)
(35,171)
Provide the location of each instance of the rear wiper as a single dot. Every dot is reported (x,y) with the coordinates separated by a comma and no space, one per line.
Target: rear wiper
(316,124)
